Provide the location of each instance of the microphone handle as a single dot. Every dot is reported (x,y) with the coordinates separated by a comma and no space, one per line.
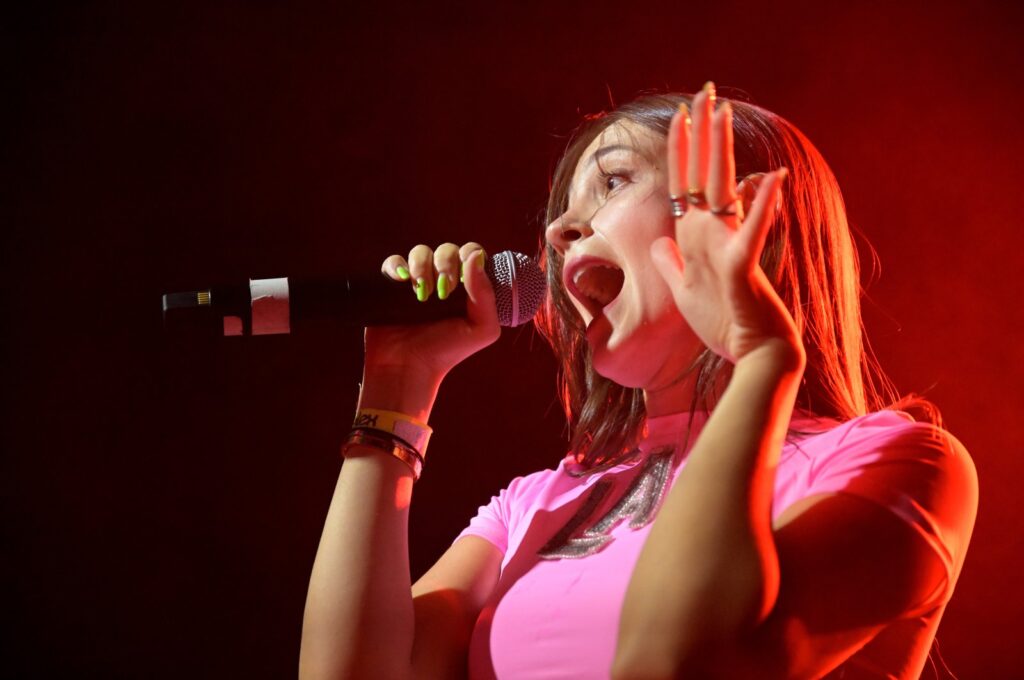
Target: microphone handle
(292,305)
(371,301)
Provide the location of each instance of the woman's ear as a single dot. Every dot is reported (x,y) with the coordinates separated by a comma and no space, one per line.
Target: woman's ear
(747,189)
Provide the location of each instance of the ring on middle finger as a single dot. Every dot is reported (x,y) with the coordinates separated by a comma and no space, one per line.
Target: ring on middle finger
(696,198)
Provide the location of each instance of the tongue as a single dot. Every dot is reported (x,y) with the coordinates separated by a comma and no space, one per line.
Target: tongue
(601,284)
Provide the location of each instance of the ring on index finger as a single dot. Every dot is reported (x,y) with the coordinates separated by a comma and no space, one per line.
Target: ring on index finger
(678,205)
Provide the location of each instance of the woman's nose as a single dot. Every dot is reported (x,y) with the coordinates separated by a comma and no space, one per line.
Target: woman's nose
(561,233)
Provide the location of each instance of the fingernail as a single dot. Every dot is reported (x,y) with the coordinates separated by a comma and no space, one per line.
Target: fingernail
(685,110)
(403,273)
(709,87)
(421,289)
(783,173)
(442,286)
(481,259)
(462,272)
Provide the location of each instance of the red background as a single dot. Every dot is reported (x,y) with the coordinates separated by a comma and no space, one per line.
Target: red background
(163,502)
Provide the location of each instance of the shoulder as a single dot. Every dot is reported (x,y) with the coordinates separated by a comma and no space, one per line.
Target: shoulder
(526,489)
(513,505)
(917,470)
(826,431)
(543,478)
(909,466)
(879,437)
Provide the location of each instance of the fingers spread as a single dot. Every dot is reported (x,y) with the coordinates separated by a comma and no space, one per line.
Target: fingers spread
(747,188)
(722,172)
(762,213)
(700,137)
(678,145)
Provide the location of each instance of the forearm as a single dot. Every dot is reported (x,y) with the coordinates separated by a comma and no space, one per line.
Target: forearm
(358,619)
(709,569)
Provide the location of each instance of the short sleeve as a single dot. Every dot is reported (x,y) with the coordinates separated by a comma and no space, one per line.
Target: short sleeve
(919,472)
(491,522)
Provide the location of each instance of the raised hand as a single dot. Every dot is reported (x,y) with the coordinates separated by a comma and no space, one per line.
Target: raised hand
(712,265)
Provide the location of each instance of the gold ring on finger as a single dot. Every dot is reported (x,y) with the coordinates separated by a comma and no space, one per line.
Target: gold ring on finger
(696,198)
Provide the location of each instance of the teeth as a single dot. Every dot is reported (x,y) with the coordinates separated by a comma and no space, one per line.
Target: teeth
(580,272)
(600,283)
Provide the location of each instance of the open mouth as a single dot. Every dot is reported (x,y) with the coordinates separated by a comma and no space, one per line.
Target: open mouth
(596,285)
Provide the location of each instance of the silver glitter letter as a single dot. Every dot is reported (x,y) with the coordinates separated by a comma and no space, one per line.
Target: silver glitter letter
(639,504)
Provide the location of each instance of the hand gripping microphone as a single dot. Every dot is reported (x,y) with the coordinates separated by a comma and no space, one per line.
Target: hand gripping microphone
(285,305)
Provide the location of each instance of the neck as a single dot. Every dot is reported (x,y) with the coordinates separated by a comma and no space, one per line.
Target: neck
(670,396)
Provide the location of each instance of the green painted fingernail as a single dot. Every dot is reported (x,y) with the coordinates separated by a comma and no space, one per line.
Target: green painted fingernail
(462,272)
(421,289)
(442,286)
(403,273)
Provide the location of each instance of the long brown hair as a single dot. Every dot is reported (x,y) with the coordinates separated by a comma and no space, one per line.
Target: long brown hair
(809,257)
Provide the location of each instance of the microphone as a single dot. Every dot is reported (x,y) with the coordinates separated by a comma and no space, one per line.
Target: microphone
(285,305)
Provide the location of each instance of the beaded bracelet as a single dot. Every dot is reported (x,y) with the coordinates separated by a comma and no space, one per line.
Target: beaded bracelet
(388,443)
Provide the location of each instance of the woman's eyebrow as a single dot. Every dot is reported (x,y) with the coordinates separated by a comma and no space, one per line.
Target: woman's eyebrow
(598,154)
(605,150)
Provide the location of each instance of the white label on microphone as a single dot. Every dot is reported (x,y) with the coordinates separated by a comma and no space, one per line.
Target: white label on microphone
(269,306)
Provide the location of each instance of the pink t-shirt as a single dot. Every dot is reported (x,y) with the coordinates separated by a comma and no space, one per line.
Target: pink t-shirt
(570,542)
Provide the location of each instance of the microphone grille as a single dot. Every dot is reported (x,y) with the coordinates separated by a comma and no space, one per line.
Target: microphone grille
(519,287)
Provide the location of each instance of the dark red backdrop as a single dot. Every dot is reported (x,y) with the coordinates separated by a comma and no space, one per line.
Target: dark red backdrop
(162,503)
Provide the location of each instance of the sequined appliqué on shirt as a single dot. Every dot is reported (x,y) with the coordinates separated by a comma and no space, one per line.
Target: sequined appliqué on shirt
(639,504)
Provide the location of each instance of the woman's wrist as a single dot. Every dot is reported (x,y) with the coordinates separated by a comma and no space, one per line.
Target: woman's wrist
(775,356)
(399,388)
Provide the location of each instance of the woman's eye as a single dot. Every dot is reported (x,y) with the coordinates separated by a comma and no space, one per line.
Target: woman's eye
(611,181)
